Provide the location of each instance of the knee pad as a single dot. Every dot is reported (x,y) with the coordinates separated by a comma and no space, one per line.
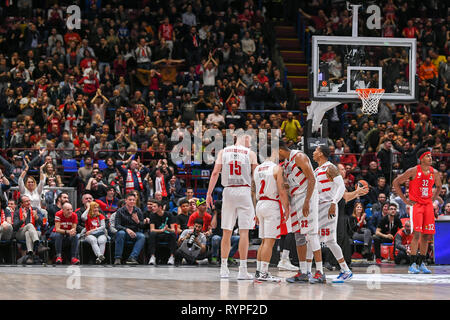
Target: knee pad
(300,239)
(313,241)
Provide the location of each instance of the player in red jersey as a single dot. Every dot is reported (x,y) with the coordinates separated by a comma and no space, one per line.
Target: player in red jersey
(422,178)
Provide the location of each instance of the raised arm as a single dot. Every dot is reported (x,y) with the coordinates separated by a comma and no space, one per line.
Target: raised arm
(20,180)
(42,177)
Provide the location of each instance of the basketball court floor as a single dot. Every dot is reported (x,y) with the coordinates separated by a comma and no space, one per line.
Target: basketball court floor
(203,283)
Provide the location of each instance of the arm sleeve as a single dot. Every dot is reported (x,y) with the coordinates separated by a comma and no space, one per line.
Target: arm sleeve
(21,185)
(8,167)
(340,189)
(41,184)
(34,162)
(102,225)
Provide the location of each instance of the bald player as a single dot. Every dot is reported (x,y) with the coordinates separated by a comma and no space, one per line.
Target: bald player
(236,165)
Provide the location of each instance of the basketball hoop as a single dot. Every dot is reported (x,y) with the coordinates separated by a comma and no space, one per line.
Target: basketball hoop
(370,98)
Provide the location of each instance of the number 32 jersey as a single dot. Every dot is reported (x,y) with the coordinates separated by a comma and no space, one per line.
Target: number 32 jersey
(421,187)
(236,166)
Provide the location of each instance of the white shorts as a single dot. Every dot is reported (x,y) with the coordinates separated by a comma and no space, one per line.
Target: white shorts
(268,213)
(327,227)
(237,204)
(299,223)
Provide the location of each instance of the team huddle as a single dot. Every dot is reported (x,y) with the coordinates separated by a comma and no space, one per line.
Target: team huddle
(291,196)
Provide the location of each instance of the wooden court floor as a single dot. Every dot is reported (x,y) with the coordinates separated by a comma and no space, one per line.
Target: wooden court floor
(203,282)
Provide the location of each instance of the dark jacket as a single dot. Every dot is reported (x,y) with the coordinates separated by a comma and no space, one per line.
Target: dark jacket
(17,224)
(385,228)
(124,221)
(409,157)
(124,173)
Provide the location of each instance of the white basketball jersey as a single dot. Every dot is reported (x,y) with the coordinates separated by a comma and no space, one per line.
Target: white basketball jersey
(266,185)
(236,166)
(326,188)
(295,177)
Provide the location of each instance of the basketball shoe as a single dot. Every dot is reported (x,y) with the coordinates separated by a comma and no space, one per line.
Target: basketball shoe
(343,276)
(423,268)
(224,272)
(266,276)
(285,264)
(319,277)
(243,274)
(299,278)
(413,269)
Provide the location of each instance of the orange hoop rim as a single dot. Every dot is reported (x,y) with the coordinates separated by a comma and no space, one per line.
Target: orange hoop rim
(369,90)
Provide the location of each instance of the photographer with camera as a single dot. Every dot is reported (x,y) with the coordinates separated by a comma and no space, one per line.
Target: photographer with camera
(192,244)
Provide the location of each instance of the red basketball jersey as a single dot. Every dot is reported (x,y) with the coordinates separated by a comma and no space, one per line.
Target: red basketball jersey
(421,187)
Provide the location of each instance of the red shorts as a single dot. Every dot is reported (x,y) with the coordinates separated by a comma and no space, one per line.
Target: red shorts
(422,218)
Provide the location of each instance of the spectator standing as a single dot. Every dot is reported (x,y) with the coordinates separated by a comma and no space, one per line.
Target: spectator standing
(133,176)
(385,158)
(291,128)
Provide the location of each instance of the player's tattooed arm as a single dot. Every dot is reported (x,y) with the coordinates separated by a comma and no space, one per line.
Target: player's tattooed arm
(254,193)
(282,191)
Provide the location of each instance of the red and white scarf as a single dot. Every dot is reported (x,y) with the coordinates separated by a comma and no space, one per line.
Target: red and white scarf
(3,217)
(162,186)
(129,186)
(21,217)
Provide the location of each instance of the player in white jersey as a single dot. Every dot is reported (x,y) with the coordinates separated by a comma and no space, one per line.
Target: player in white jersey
(331,188)
(303,210)
(272,199)
(236,164)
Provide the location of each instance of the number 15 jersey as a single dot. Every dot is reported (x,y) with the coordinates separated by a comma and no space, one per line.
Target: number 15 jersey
(236,166)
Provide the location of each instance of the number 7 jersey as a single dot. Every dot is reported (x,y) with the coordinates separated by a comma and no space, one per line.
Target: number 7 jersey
(236,166)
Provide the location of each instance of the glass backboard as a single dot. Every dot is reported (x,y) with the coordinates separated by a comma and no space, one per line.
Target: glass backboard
(340,65)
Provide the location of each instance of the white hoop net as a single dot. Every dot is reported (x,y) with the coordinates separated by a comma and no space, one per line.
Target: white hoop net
(370,98)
